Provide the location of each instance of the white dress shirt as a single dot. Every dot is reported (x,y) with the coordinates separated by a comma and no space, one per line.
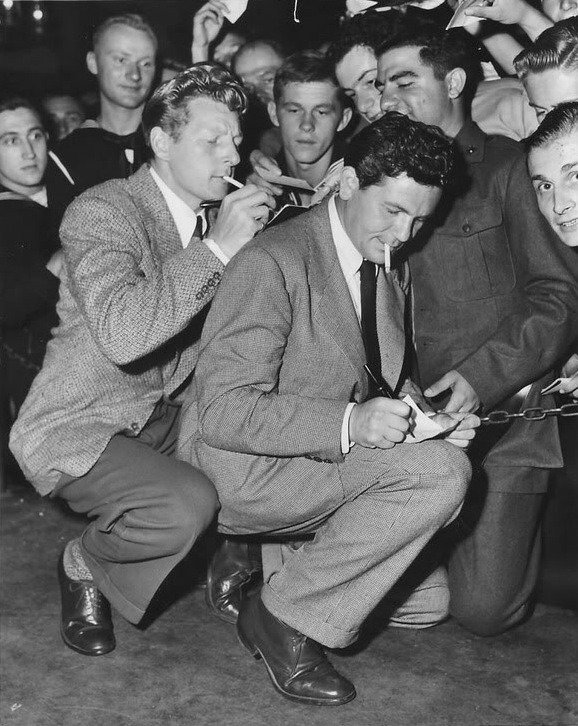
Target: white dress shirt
(185,218)
(350,260)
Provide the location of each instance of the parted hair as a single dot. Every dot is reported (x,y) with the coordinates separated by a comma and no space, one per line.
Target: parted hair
(555,48)
(132,20)
(305,66)
(560,121)
(395,145)
(168,106)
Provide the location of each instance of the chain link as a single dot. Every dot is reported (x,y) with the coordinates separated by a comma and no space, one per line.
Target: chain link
(531,414)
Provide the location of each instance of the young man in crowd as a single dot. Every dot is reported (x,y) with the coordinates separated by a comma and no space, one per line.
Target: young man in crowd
(123,60)
(28,269)
(495,304)
(553,167)
(99,425)
(285,420)
(309,110)
(549,67)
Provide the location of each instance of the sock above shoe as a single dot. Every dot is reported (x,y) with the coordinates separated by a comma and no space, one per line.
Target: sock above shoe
(74,565)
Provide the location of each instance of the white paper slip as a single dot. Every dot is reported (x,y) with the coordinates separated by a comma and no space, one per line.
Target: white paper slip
(286,181)
(235,8)
(460,19)
(422,427)
(555,386)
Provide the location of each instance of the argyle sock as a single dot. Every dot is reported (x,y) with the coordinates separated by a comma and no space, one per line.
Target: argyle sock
(73,561)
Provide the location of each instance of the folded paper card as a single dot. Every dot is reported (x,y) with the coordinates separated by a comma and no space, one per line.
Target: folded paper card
(423,427)
(235,8)
(460,19)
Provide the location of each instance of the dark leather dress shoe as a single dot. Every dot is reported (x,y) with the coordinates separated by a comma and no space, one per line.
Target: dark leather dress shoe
(86,624)
(297,665)
(234,569)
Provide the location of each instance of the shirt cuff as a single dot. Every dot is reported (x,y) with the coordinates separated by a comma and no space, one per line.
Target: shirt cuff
(346,443)
(217,251)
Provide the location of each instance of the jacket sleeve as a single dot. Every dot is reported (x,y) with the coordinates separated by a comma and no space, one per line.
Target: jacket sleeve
(245,338)
(132,309)
(529,341)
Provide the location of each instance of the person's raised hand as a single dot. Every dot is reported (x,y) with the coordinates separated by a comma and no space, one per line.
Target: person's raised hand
(379,423)
(241,215)
(207,23)
(261,163)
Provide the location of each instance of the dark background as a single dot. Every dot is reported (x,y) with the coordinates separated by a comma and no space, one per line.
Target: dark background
(48,55)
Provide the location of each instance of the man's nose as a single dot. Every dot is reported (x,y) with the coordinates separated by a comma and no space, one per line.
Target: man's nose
(307,122)
(232,156)
(28,150)
(562,201)
(388,101)
(403,229)
(134,71)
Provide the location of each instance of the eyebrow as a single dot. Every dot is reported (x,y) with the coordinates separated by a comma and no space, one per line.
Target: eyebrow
(403,74)
(571,165)
(12,132)
(362,76)
(539,177)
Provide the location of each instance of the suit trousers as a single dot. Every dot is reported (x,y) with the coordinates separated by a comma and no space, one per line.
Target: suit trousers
(393,502)
(148,508)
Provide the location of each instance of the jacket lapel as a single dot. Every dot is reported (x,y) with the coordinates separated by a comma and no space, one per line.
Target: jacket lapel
(332,304)
(158,222)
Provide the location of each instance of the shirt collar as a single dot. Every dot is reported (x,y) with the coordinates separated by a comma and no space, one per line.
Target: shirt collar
(185,218)
(349,256)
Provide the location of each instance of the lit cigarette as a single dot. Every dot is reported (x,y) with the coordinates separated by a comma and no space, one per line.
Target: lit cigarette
(387,258)
(234,182)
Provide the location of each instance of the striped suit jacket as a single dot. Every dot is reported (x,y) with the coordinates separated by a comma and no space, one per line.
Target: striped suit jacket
(130,313)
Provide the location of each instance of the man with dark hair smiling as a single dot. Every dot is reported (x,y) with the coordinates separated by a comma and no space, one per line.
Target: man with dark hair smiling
(285,420)
(99,426)
(496,302)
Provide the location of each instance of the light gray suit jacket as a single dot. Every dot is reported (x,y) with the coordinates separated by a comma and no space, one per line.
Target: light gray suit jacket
(281,357)
(131,311)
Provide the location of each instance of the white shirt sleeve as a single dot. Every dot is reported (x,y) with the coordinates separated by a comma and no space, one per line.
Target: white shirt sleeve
(346,443)
(217,251)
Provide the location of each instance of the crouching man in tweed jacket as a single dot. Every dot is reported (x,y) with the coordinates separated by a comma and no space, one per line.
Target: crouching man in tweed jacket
(99,426)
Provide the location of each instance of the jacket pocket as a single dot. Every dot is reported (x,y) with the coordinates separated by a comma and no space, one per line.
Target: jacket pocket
(475,255)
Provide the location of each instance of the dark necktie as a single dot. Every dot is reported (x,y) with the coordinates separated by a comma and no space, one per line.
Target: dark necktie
(368,277)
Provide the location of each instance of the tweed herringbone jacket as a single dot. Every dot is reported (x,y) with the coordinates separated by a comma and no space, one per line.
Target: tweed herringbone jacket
(130,313)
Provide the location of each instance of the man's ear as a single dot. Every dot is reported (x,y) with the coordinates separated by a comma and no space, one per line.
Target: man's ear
(456,82)
(159,141)
(91,63)
(348,183)
(345,118)
(272,109)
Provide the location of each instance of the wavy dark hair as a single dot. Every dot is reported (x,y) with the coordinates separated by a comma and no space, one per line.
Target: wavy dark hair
(560,121)
(555,48)
(395,145)
(168,106)
(441,50)
(368,30)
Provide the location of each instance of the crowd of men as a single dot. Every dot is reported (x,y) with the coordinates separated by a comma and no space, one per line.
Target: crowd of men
(177,358)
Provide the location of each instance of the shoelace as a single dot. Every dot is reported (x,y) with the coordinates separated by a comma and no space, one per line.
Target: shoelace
(90,600)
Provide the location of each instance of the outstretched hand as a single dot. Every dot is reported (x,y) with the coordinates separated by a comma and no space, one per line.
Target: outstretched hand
(463,399)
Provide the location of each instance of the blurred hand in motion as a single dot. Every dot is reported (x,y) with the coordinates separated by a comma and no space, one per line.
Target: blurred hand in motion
(260,163)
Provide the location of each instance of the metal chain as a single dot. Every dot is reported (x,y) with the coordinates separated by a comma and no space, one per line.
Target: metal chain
(531,414)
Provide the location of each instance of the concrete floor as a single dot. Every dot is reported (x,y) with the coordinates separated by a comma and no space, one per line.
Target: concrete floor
(186,668)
